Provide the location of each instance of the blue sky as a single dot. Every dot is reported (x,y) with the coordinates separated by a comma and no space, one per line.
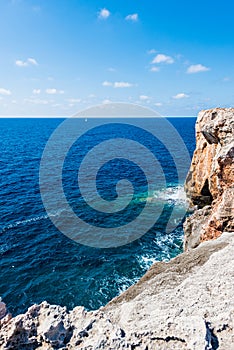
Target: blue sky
(60,56)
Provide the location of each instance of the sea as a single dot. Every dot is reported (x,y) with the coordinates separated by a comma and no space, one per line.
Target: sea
(39,262)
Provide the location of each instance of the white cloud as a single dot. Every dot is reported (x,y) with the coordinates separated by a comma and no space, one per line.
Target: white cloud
(20,63)
(5,92)
(180,96)
(107,83)
(51,91)
(158,104)
(73,100)
(197,68)
(155,69)
(104,14)
(36,91)
(151,52)
(30,61)
(105,102)
(56,105)
(36,101)
(133,17)
(144,98)
(54,91)
(161,58)
(117,84)
(111,69)
(122,84)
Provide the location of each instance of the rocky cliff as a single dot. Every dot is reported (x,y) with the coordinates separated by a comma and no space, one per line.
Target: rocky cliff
(210,182)
(187,303)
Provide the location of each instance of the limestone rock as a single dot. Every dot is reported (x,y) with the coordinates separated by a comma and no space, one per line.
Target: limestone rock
(187,303)
(210,182)
(3,309)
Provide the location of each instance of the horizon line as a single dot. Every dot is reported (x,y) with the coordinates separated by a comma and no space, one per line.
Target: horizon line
(90,117)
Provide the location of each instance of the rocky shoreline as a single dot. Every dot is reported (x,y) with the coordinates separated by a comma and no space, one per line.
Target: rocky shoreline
(187,303)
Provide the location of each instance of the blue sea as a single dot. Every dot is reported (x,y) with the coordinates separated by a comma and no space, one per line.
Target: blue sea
(37,261)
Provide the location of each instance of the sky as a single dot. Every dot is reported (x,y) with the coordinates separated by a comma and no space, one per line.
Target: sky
(58,57)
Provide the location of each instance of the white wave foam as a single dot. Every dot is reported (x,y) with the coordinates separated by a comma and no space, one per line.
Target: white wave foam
(24,222)
(175,195)
(146,262)
(31,220)
(124,283)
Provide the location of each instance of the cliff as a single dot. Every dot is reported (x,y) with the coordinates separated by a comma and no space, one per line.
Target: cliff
(187,303)
(210,182)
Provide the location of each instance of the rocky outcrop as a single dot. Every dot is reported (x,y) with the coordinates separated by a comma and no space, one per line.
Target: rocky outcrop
(210,182)
(3,309)
(187,303)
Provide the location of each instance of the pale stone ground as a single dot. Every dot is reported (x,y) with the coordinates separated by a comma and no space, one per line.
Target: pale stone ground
(187,303)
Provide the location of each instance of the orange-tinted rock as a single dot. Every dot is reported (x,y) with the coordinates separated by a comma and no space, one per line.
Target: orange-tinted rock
(210,181)
(3,310)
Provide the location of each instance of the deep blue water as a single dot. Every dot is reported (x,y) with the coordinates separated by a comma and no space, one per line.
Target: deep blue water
(38,262)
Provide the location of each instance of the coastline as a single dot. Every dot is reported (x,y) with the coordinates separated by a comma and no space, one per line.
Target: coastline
(186,303)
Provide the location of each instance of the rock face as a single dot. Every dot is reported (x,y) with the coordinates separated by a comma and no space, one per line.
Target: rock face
(187,303)
(3,310)
(210,182)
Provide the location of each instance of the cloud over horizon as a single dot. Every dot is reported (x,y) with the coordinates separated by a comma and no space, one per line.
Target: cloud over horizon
(54,91)
(5,92)
(36,91)
(144,98)
(117,84)
(197,68)
(180,96)
(133,18)
(115,52)
(154,69)
(30,61)
(104,13)
(161,58)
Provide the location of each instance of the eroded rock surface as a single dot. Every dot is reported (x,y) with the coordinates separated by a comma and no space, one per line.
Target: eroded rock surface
(210,182)
(3,309)
(187,303)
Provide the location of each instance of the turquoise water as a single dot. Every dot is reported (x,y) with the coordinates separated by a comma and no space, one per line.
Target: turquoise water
(38,262)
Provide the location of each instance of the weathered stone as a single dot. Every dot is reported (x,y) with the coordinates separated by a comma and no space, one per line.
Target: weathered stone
(3,310)
(194,227)
(187,303)
(211,177)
